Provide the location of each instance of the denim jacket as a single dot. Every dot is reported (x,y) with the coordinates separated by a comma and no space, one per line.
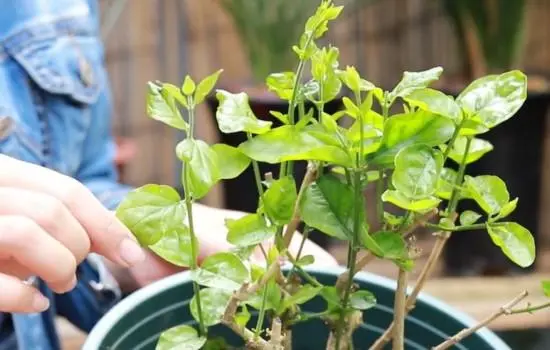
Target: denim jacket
(55,110)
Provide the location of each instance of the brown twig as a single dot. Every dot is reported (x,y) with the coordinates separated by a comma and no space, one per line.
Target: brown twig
(352,321)
(399,311)
(276,339)
(504,310)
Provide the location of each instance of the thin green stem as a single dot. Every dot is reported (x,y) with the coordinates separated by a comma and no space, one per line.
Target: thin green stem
(257,175)
(191,111)
(261,316)
(530,309)
(309,316)
(379,202)
(453,202)
(457,229)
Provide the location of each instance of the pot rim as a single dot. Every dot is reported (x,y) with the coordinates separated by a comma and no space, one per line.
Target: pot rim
(118,311)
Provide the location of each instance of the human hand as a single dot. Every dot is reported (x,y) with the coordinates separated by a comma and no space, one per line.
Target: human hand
(210,228)
(49,223)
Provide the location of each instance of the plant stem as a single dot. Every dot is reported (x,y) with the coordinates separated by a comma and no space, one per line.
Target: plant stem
(399,311)
(460,177)
(379,202)
(530,309)
(457,229)
(504,310)
(257,175)
(261,315)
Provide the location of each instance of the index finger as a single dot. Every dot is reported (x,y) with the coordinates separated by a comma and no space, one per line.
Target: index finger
(108,236)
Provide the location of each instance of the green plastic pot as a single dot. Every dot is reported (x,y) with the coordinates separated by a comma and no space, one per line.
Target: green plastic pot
(137,321)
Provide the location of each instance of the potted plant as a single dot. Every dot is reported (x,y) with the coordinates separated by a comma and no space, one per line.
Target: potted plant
(490,37)
(230,301)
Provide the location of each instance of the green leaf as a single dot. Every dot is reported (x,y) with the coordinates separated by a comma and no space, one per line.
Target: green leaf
(180,338)
(213,304)
(202,166)
(231,161)
(446,183)
(392,244)
(175,92)
(206,85)
(273,297)
(373,130)
(488,191)
(175,247)
(516,242)
(420,127)
(323,66)
(306,260)
(283,118)
(279,200)
(507,209)
(287,143)
(304,294)
(235,115)
(188,86)
(362,300)
(469,217)
(478,148)
(249,230)
(242,317)
(493,99)
(317,24)
(436,102)
(330,294)
(282,84)
(151,212)
(350,77)
(417,169)
(328,205)
(420,205)
(546,288)
(162,106)
(412,81)
(223,271)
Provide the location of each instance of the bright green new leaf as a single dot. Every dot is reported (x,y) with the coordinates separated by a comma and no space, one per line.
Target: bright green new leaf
(406,129)
(546,288)
(188,87)
(412,81)
(317,24)
(472,126)
(223,271)
(213,304)
(351,108)
(206,86)
(282,84)
(330,294)
(367,241)
(200,165)
(231,161)
(288,143)
(180,338)
(436,102)
(304,294)
(516,242)
(170,90)
(508,209)
(362,300)
(420,205)
(351,78)
(249,230)
(478,148)
(175,247)
(328,205)
(235,115)
(283,118)
(469,217)
(323,65)
(242,317)
(493,99)
(162,107)
(152,212)
(373,129)
(273,297)
(306,260)
(446,183)
(417,169)
(279,200)
(489,191)
(392,244)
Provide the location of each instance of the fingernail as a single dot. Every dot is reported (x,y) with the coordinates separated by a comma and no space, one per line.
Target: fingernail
(131,252)
(40,303)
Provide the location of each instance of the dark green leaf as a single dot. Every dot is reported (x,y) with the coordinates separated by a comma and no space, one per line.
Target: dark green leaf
(206,86)
(201,164)
(152,212)
(392,244)
(162,106)
(180,338)
(249,230)
(327,205)
(494,99)
(420,205)
(231,161)
(175,247)
(488,191)
(417,169)
(469,217)
(478,148)
(213,304)
(412,81)
(516,242)
(188,86)
(287,143)
(279,200)
(223,271)
(436,102)
(420,127)
(362,300)
(304,294)
(546,288)
(234,114)
(282,84)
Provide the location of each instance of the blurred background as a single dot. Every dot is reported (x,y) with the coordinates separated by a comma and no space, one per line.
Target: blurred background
(166,39)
